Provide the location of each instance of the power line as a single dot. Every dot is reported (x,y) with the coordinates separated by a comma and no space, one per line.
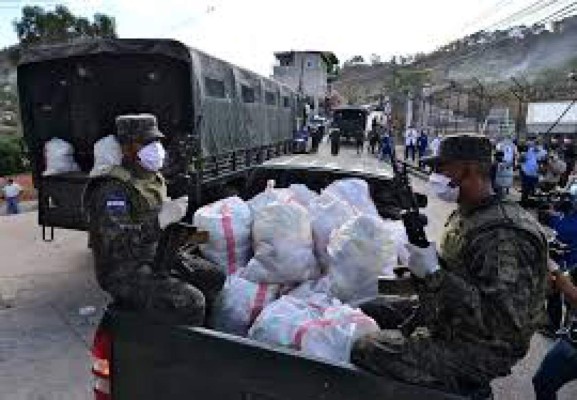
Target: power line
(533,8)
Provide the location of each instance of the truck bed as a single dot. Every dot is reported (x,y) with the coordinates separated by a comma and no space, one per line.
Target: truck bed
(153,361)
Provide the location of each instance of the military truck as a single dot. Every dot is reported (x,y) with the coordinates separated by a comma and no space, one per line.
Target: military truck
(220,120)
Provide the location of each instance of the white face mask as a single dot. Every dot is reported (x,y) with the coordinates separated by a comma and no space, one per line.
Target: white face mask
(441,186)
(152,156)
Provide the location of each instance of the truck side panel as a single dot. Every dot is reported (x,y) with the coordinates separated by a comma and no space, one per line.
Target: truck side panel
(159,362)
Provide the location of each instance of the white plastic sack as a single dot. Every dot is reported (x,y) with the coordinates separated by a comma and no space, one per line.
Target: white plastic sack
(239,304)
(354,192)
(107,153)
(327,213)
(322,332)
(270,196)
(279,321)
(59,156)
(228,223)
(399,236)
(357,252)
(283,247)
(302,194)
(332,336)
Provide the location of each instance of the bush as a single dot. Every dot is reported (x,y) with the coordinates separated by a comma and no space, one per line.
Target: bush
(12,157)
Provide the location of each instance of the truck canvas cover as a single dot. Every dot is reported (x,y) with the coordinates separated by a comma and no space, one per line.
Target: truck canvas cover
(74,91)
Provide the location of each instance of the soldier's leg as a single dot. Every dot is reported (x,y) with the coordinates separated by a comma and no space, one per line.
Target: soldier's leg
(389,312)
(451,366)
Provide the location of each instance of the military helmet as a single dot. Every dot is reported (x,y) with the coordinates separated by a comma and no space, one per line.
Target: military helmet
(141,128)
(462,147)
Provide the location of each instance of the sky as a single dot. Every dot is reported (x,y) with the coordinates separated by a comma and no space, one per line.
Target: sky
(248,32)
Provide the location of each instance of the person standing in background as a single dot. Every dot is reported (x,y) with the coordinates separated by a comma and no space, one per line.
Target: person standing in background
(11,192)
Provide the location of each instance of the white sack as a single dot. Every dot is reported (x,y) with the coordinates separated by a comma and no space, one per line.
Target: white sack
(59,155)
(279,321)
(269,196)
(283,247)
(228,223)
(355,192)
(332,336)
(239,304)
(107,153)
(302,194)
(321,332)
(398,234)
(327,213)
(357,252)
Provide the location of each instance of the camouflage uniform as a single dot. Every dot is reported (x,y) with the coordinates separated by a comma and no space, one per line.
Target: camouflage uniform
(123,206)
(481,308)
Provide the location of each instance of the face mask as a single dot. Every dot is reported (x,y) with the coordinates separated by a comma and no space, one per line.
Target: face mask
(152,156)
(442,187)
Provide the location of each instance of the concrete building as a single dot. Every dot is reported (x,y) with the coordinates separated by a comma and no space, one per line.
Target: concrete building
(307,72)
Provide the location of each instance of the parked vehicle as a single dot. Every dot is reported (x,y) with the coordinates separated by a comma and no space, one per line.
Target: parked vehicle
(220,120)
(350,121)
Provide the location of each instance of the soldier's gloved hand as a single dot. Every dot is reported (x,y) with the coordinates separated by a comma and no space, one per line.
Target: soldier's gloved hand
(423,261)
(172,211)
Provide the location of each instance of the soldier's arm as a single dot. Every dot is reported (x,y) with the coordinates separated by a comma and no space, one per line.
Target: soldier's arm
(504,265)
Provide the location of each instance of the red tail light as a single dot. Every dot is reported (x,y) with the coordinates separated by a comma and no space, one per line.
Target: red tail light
(101,357)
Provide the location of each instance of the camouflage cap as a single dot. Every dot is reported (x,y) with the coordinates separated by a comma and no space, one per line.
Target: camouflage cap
(141,128)
(462,147)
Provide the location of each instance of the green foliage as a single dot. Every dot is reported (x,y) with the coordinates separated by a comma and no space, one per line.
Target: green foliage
(12,155)
(40,26)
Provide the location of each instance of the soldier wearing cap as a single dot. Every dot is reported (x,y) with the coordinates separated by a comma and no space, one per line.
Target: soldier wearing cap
(482,295)
(128,209)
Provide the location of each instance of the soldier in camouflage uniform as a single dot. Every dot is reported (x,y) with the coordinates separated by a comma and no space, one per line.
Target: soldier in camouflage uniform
(481,298)
(127,209)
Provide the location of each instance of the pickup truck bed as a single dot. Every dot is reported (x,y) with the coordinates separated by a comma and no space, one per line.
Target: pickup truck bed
(152,361)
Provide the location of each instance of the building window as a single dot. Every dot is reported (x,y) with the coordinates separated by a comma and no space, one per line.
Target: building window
(270,98)
(214,88)
(248,94)
(286,102)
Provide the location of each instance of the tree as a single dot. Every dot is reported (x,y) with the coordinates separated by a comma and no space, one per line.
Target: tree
(40,26)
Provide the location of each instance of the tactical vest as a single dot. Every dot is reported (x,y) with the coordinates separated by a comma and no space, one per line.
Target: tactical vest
(147,193)
(461,229)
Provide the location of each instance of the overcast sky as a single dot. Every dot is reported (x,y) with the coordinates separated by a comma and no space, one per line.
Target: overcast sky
(247,32)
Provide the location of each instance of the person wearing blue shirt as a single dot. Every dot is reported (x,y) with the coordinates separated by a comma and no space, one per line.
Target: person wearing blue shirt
(387,146)
(422,144)
(530,172)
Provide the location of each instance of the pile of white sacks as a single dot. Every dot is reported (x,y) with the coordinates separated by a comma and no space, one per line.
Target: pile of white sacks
(297,263)
(59,156)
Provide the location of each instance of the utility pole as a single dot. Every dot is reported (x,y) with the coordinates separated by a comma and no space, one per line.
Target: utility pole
(481,96)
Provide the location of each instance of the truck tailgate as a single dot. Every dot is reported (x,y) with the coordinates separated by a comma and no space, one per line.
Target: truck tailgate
(152,361)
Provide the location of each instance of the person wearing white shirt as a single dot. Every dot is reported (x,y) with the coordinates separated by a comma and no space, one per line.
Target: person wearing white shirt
(410,142)
(435,142)
(11,192)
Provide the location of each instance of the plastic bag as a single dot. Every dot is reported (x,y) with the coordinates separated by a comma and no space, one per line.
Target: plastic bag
(355,192)
(332,336)
(239,304)
(398,234)
(357,252)
(59,157)
(107,153)
(283,247)
(228,223)
(269,196)
(327,213)
(326,332)
(279,321)
(302,194)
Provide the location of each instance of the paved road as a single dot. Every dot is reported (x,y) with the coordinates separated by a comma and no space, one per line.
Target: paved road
(44,340)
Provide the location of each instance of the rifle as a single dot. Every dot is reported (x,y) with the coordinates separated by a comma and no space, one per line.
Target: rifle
(414,223)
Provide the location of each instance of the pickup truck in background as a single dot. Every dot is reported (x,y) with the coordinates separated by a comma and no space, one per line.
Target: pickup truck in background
(137,358)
